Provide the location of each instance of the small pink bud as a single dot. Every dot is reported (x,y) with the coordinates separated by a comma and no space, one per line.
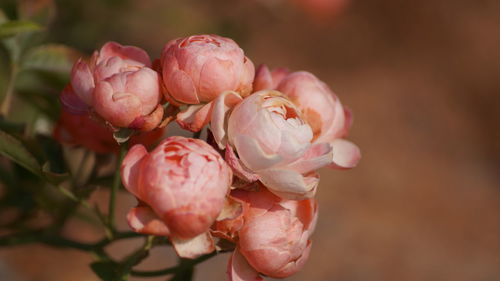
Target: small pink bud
(268,80)
(198,68)
(119,85)
(273,234)
(184,181)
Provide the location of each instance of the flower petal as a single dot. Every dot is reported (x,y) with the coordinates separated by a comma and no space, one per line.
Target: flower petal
(82,81)
(130,53)
(346,154)
(130,168)
(239,170)
(289,184)
(238,268)
(252,155)
(71,102)
(225,102)
(263,79)
(118,108)
(317,156)
(194,247)
(148,122)
(232,209)
(195,117)
(143,219)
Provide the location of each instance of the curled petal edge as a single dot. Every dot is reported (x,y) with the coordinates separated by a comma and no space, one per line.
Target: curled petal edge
(148,122)
(239,170)
(195,117)
(131,166)
(346,154)
(238,269)
(143,219)
(289,184)
(82,81)
(222,105)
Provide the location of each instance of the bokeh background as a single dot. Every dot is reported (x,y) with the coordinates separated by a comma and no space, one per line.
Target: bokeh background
(423,81)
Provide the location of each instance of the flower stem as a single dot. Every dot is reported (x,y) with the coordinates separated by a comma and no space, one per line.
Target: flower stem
(197,135)
(114,189)
(183,266)
(7,101)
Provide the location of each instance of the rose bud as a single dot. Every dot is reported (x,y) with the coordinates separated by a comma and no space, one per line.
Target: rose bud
(268,80)
(181,186)
(197,69)
(274,237)
(324,112)
(80,129)
(119,85)
(268,140)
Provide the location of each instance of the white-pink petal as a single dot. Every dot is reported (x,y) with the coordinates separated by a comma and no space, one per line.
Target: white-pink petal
(194,247)
(289,184)
(346,154)
(252,155)
(224,102)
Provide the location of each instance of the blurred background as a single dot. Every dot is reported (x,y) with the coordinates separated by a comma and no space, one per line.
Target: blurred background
(423,81)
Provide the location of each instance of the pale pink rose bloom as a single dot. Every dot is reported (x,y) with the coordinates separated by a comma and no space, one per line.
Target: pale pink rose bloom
(272,143)
(181,186)
(119,85)
(273,236)
(197,69)
(323,111)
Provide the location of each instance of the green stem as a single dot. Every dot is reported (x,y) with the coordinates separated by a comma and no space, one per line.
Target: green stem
(185,264)
(135,258)
(7,101)
(197,135)
(58,241)
(115,187)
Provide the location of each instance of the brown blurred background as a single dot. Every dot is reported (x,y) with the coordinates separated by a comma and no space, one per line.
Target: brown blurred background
(423,81)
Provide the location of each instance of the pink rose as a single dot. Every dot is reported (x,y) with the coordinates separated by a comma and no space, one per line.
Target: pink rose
(273,236)
(323,111)
(75,127)
(197,69)
(181,186)
(272,143)
(119,85)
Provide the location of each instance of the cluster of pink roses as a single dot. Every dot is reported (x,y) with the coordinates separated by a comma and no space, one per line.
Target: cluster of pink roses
(253,183)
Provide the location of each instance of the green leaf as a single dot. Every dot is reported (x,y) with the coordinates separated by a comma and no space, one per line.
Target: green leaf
(54,177)
(13,149)
(50,58)
(11,127)
(12,28)
(105,270)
